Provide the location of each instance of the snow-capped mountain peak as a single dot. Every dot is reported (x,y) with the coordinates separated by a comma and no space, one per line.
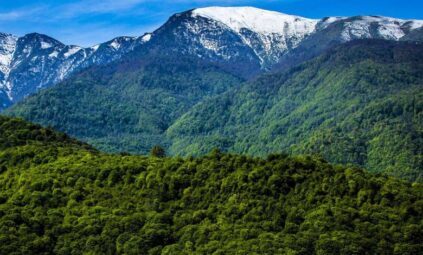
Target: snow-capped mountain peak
(257,20)
(376,26)
(35,61)
(269,34)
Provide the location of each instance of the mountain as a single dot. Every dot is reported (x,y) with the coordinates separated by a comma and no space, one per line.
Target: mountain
(262,39)
(245,41)
(333,31)
(36,61)
(358,103)
(263,36)
(59,197)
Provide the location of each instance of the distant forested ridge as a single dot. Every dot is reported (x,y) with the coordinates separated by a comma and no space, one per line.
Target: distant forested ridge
(60,196)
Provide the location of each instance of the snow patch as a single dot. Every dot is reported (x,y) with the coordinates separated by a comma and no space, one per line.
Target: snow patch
(115,45)
(415,24)
(146,38)
(325,22)
(72,51)
(54,54)
(95,47)
(46,45)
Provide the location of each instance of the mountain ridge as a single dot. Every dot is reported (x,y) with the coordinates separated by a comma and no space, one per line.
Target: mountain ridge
(253,39)
(36,61)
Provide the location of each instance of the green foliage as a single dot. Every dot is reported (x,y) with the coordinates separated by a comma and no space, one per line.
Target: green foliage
(57,197)
(360,103)
(16,132)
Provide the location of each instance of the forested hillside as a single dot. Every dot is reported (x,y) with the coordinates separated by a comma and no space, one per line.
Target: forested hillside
(58,196)
(359,103)
(128,105)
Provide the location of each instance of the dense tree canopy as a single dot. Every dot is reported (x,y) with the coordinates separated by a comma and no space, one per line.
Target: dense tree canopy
(360,103)
(58,196)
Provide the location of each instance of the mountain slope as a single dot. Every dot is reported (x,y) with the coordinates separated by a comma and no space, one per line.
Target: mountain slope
(127,105)
(269,34)
(358,103)
(56,198)
(333,31)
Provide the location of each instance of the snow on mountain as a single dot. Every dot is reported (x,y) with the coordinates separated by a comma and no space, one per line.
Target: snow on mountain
(146,37)
(36,61)
(72,50)
(258,20)
(272,34)
(325,22)
(414,24)
(45,45)
(268,33)
(374,26)
(7,47)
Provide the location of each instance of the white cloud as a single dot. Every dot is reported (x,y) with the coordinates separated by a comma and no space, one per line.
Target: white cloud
(18,14)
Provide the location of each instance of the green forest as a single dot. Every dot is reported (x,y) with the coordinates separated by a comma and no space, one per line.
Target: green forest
(61,196)
(126,106)
(358,104)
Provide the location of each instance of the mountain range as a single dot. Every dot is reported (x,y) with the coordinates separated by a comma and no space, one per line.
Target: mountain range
(251,39)
(346,88)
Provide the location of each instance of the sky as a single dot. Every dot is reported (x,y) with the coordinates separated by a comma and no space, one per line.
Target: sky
(89,22)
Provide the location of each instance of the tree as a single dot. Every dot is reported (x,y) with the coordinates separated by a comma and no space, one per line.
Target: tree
(158,151)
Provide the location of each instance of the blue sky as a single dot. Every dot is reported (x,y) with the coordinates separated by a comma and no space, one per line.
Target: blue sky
(88,22)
